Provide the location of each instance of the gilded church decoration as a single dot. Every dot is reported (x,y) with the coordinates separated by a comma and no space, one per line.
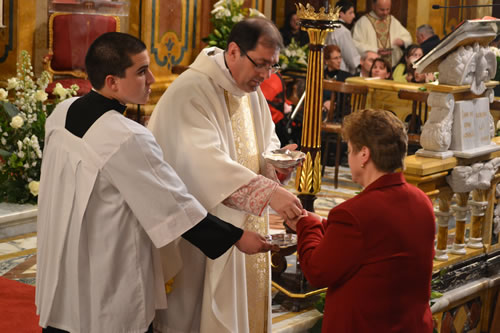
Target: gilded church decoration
(174,38)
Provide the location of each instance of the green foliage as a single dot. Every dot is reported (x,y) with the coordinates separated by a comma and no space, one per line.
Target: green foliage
(22,131)
(320,304)
(225,15)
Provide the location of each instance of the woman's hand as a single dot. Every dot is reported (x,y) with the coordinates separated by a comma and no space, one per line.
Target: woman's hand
(292,223)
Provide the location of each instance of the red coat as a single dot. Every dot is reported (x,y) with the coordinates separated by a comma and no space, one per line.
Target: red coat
(375,255)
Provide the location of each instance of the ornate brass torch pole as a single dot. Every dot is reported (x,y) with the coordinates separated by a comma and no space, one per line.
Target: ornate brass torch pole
(317,25)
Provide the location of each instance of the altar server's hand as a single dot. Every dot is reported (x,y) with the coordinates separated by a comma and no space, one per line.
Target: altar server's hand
(286,204)
(252,243)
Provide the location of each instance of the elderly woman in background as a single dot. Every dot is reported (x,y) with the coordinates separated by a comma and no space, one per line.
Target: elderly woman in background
(375,251)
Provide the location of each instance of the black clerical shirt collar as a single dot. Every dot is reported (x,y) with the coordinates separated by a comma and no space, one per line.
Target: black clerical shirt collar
(84,112)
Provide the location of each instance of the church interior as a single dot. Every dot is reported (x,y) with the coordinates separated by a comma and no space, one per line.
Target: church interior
(55,34)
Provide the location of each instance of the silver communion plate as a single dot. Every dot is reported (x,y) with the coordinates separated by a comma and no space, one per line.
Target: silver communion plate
(284,158)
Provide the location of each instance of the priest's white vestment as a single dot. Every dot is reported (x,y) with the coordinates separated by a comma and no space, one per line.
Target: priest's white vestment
(365,36)
(107,202)
(192,123)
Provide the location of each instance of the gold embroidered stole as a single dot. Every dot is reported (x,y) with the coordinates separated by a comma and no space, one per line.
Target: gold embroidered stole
(382,30)
(257,266)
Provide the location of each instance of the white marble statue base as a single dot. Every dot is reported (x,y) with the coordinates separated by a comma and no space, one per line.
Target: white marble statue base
(477,151)
(17,219)
(434,154)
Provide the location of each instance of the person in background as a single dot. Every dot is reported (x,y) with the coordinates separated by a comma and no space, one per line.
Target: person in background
(214,123)
(343,39)
(426,38)
(108,201)
(333,72)
(366,62)
(333,60)
(381,69)
(375,257)
(411,55)
(292,29)
(379,30)
(274,90)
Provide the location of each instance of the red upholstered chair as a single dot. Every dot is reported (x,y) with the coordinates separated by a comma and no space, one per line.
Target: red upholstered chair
(70,35)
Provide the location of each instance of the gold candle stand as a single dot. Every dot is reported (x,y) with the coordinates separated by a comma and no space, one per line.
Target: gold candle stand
(317,25)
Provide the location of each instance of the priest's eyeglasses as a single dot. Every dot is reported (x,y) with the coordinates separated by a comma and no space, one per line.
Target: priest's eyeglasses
(263,67)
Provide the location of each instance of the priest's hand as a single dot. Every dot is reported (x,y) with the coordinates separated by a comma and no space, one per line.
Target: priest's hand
(252,243)
(286,204)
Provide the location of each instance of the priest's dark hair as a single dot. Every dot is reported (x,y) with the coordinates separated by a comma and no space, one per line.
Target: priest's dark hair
(110,54)
(247,33)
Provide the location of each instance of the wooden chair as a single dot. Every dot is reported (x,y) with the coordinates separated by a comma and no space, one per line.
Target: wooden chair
(419,113)
(70,36)
(344,99)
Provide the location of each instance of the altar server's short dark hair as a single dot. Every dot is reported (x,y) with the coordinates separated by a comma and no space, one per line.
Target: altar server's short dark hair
(110,54)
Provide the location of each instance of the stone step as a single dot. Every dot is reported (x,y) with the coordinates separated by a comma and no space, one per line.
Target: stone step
(17,219)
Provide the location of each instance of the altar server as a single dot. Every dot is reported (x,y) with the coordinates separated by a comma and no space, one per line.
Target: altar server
(214,115)
(375,251)
(108,201)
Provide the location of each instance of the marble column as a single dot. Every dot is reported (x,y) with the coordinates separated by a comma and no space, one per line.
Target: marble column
(460,210)
(443,217)
(479,205)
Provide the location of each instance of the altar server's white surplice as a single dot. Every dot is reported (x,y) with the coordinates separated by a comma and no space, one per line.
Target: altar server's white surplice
(99,268)
(193,125)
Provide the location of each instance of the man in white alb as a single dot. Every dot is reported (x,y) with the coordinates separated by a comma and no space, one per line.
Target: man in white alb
(380,31)
(342,37)
(214,115)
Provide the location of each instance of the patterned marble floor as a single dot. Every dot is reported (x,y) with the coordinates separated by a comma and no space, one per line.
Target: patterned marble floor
(18,258)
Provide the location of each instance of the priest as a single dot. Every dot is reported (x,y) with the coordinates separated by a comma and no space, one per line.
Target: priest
(213,124)
(379,30)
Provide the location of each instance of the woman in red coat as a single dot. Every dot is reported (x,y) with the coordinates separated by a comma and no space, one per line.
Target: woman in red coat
(375,251)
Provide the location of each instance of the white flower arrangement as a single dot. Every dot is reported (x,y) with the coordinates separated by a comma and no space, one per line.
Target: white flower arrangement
(22,121)
(294,56)
(225,14)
